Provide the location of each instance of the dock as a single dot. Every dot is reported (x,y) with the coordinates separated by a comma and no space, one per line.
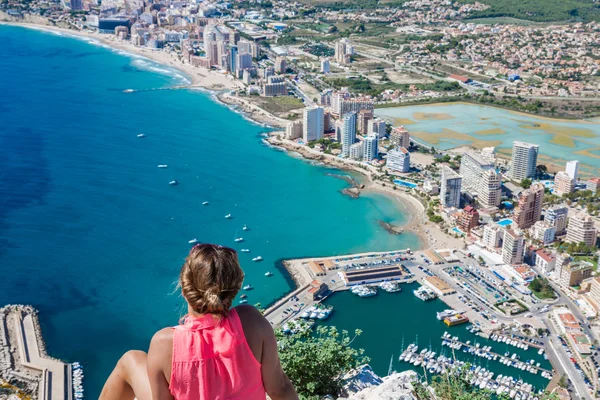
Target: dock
(25,363)
(476,349)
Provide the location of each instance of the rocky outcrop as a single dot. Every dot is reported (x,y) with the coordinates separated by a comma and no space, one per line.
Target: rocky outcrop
(352,192)
(398,386)
(393,229)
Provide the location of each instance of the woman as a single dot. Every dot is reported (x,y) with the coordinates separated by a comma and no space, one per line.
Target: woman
(218,352)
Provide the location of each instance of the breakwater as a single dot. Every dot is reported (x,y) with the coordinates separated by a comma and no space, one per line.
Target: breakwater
(24,361)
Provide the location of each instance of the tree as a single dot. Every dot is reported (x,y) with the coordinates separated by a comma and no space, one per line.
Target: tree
(541,170)
(314,362)
(563,382)
(526,183)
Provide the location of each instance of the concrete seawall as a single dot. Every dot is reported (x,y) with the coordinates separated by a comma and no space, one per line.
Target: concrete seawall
(24,360)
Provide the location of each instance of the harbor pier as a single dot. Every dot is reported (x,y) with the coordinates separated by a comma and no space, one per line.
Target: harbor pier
(25,363)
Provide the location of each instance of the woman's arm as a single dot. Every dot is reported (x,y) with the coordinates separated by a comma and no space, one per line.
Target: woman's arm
(261,339)
(159,364)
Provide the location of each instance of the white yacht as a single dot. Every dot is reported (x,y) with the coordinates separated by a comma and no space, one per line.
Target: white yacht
(228,216)
(194,240)
(245,228)
(269,273)
(446,313)
(239,239)
(259,258)
(173,182)
(245,250)
(248,287)
(140,135)
(163,166)
(205,203)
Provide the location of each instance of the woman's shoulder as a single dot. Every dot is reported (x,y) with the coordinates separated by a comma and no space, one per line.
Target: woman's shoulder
(250,317)
(163,337)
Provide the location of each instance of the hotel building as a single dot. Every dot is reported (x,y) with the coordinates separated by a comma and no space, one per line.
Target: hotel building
(563,184)
(524,160)
(348,132)
(557,217)
(529,209)
(294,130)
(468,219)
(399,137)
(450,188)
(370,148)
(398,160)
(581,229)
(376,127)
(313,124)
(513,247)
(480,178)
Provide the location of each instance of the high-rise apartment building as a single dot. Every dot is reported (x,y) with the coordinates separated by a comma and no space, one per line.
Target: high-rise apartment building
(557,217)
(294,130)
(370,148)
(233,53)
(280,65)
(342,51)
(246,46)
(492,236)
(313,124)
(357,151)
(480,178)
(543,232)
(450,188)
(398,160)
(529,209)
(348,132)
(376,127)
(244,61)
(563,183)
(524,160)
(581,229)
(399,137)
(342,104)
(468,219)
(364,116)
(572,169)
(513,247)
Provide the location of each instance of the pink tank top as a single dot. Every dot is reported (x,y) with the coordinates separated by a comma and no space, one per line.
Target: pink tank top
(212,361)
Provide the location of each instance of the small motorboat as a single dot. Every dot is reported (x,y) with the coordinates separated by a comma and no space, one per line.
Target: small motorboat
(245,250)
(140,135)
(205,203)
(163,166)
(240,239)
(245,228)
(259,258)
(128,91)
(243,296)
(228,216)
(243,301)
(248,287)
(173,182)
(194,240)
(269,273)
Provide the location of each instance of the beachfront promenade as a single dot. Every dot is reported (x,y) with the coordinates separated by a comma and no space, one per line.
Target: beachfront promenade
(22,347)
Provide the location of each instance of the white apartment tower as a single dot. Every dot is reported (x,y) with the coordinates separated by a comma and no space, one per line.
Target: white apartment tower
(450,188)
(348,132)
(400,137)
(398,160)
(513,247)
(581,229)
(376,127)
(313,121)
(563,183)
(572,169)
(480,177)
(557,217)
(370,151)
(524,160)
(294,130)
(357,151)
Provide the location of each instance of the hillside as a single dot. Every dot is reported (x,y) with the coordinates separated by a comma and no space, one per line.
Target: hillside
(531,10)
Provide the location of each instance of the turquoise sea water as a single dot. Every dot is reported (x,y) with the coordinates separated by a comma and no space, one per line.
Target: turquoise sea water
(482,126)
(90,231)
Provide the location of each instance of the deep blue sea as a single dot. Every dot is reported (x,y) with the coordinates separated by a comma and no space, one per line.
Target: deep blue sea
(92,234)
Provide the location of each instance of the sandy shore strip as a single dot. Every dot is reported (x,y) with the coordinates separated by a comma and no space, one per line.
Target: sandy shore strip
(200,77)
